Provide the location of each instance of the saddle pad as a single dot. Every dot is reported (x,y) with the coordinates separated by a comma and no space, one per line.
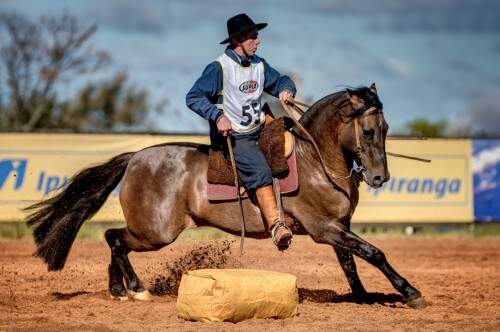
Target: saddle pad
(271,142)
(222,192)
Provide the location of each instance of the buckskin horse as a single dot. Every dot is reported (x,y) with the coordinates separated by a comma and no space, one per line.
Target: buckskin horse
(164,191)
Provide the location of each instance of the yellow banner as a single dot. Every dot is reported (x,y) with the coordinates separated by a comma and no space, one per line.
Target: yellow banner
(440,191)
(33,165)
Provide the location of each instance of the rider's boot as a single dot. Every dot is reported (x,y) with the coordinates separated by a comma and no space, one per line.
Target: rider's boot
(280,233)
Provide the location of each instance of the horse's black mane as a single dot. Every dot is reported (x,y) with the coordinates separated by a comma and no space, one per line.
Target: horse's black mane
(342,96)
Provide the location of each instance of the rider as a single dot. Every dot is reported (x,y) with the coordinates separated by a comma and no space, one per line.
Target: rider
(228,94)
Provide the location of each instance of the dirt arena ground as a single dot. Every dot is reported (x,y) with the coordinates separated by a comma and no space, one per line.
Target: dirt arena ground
(459,276)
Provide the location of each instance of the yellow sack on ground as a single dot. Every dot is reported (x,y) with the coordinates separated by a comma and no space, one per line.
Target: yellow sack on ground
(213,295)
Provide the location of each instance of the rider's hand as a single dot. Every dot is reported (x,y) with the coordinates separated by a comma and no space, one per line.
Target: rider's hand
(285,96)
(223,125)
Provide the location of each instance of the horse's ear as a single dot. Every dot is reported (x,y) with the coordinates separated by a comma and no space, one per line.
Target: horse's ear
(356,102)
(373,88)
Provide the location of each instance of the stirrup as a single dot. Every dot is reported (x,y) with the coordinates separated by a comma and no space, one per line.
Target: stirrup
(276,226)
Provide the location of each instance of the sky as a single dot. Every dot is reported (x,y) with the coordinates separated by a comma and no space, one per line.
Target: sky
(436,59)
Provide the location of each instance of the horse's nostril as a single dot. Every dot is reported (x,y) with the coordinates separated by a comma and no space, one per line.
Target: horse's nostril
(377,180)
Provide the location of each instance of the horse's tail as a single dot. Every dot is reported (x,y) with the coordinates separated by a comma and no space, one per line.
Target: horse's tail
(59,218)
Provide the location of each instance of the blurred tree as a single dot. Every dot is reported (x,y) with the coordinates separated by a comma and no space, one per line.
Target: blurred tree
(40,58)
(426,128)
(103,107)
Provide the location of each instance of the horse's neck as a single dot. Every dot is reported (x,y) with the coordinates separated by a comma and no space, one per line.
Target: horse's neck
(326,135)
(326,132)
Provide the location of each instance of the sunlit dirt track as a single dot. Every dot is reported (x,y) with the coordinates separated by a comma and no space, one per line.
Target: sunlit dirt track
(460,277)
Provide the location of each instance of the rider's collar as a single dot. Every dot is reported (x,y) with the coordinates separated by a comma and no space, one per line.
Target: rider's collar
(243,60)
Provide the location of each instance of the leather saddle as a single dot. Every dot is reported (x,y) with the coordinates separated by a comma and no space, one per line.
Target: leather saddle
(278,146)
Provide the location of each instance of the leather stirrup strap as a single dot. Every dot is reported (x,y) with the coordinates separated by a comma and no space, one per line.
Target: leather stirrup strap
(277,197)
(237,185)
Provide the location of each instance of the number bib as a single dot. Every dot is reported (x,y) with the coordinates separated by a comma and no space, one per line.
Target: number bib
(241,93)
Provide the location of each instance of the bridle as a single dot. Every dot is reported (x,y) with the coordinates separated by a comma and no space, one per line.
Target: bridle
(355,116)
(366,111)
(295,104)
(358,150)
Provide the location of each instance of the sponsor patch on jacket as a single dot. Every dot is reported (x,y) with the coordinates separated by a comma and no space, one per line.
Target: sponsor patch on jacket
(249,86)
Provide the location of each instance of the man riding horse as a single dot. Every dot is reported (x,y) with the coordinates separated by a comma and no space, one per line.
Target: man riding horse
(163,188)
(228,94)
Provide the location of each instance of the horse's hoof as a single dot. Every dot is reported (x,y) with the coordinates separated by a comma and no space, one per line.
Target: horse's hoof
(140,296)
(118,298)
(417,303)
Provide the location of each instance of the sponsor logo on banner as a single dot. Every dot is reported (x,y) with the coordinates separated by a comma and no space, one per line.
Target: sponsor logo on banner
(439,191)
(12,170)
(15,178)
(437,188)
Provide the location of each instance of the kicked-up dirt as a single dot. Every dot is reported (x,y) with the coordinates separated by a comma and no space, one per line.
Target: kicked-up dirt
(459,277)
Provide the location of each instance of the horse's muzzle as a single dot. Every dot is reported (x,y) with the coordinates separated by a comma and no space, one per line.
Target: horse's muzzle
(377,181)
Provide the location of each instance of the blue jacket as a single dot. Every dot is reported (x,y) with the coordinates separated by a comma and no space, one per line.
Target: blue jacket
(207,89)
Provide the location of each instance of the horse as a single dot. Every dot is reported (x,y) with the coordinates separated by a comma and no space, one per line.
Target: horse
(163,190)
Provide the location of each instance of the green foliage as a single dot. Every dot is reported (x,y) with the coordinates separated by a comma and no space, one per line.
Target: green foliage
(102,107)
(426,128)
(14,230)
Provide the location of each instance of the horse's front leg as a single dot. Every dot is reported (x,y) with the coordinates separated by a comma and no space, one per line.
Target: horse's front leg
(348,265)
(339,235)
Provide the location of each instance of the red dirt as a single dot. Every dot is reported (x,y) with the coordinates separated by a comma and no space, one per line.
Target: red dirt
(460,277)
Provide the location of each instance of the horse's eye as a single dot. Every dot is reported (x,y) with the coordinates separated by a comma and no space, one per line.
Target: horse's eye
(368,134)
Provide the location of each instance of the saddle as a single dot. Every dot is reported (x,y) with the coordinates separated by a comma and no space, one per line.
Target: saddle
(278,146)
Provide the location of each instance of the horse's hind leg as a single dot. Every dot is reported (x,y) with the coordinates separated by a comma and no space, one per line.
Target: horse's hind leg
(339,235)
(121,242)
(117,289)
(347,263)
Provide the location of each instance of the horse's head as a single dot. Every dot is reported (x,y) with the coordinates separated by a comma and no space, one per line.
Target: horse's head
(364,134)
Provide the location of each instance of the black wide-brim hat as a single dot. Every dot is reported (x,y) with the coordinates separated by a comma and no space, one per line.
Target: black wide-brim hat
(239,24)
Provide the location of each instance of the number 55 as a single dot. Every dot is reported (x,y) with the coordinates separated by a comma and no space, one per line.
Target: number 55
(248,117)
